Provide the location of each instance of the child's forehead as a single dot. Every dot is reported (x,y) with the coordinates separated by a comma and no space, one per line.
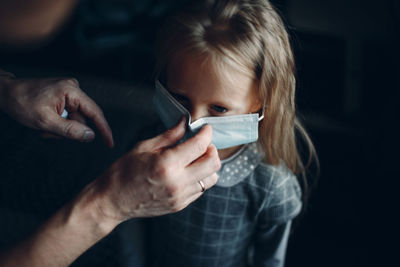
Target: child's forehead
(203,77)
(201,64)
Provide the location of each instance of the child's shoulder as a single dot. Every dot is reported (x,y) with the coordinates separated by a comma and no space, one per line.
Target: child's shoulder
(272,177)
(281,192)
(275,180)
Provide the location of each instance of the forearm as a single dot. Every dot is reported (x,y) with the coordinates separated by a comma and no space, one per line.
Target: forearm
(152,179)
(65,236)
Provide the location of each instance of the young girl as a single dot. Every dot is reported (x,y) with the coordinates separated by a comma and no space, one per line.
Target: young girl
(228,63)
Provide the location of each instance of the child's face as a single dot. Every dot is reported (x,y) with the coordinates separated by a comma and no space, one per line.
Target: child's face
(205,90)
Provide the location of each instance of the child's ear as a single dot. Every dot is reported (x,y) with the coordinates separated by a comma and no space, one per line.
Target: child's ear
(256,107)
(256,99)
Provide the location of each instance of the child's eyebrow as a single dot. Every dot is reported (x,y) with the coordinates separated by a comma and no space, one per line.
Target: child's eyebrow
(172,90)
(175,92)
(222,103)
(226,104)
(178,95)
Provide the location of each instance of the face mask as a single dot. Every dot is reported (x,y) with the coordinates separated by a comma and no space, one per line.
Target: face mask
(228,131)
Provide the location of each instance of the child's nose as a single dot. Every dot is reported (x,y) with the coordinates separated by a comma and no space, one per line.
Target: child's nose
(197,113)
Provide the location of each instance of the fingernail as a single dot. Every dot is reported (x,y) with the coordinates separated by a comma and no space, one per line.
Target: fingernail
(88,135)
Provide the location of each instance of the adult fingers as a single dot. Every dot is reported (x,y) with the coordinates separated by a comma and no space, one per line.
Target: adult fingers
(71,116)
(76,116)
(193,148)
(88,108)
(208,164)
(195,190)
(166,139)
(208,182)
(68,128)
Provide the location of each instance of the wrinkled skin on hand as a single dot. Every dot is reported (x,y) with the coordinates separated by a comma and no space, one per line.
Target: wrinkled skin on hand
(39,103)
(157,178)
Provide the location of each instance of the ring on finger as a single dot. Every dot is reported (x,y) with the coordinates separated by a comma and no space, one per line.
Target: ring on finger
(203,188)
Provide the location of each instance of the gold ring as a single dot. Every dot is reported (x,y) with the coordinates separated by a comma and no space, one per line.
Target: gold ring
(203,188)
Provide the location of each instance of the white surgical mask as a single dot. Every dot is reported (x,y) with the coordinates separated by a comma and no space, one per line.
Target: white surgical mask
(228,131)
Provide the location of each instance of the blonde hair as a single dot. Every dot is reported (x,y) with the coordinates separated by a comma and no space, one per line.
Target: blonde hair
(249,35)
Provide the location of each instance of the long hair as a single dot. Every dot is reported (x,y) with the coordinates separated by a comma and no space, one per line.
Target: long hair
(250,36)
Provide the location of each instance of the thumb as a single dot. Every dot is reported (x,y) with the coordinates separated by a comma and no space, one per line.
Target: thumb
(166,139)
(71,129)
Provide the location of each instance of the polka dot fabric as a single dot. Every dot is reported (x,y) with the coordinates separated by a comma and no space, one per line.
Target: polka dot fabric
(237,167)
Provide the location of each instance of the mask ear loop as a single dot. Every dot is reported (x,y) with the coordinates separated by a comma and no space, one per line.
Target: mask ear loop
(262,114)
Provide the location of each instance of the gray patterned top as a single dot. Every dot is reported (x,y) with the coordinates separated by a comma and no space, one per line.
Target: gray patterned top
(242,221)
(238,166)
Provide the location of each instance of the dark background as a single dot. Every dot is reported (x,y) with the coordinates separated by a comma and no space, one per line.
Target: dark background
(347,54)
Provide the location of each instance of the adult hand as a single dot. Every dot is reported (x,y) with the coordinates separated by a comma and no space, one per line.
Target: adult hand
(39,103)
(154,178)
(157,177)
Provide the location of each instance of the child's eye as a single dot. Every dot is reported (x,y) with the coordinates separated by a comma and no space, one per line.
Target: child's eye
(219,109)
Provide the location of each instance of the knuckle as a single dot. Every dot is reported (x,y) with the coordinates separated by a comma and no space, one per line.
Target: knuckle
(172,191)
(213,151)
(217,164)
(167,156)
(169,135)
(71,81)
(73,96)
(214,178)
(162,171)
(176,205)
(140,146)
(42,121)
(68,130)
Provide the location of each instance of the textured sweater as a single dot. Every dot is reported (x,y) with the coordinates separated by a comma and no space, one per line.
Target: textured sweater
(242,221)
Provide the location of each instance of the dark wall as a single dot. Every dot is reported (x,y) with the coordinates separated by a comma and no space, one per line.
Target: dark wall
(347,58)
